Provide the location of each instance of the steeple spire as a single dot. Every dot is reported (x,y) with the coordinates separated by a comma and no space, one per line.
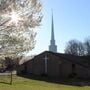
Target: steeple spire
(52,46)
(52,35)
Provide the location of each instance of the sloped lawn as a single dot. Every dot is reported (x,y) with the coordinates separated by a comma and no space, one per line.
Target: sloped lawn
(20,83)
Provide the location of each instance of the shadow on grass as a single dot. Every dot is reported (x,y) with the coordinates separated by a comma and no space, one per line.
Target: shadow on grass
(63,81)
(3,82)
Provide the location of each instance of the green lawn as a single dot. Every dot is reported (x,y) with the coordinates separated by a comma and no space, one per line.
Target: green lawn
(29,84)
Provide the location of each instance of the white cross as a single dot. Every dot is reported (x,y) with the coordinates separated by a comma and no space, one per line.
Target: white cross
(45,58)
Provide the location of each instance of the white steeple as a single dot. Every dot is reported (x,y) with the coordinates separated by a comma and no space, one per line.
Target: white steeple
(52,47)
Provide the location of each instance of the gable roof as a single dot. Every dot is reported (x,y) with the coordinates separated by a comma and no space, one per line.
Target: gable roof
(80,60)
(72,58)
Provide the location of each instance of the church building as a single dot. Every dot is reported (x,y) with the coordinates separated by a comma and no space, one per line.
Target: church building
(56,65)
(53,64)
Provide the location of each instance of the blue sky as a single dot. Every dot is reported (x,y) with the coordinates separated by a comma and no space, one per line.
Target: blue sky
(71,21)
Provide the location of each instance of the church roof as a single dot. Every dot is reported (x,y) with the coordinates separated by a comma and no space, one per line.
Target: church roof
(80,60)
(71,58)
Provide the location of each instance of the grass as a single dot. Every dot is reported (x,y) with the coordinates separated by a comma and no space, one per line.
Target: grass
(20,83)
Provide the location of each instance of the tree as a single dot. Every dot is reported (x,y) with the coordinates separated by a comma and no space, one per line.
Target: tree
(74,47)
(9,66)
(81,49)
(18,18)
(2,65)
(87,46)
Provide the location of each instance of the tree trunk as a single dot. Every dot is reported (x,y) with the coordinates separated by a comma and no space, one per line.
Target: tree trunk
(11,78)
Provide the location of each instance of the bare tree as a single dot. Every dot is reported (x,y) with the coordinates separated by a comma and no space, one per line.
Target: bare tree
(80,49)
(75,47)
(87,46)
